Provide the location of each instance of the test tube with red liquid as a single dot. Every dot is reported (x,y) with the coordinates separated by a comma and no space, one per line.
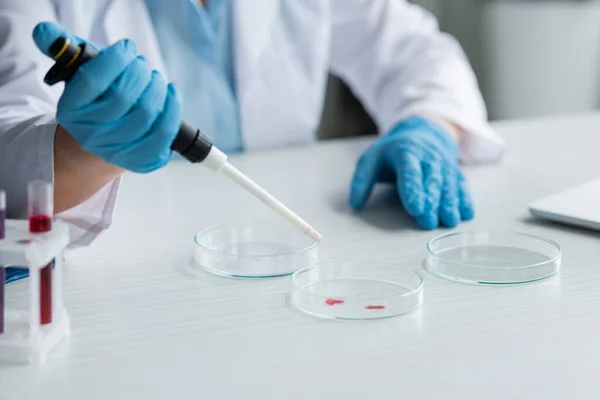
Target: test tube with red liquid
(40,207)
(2,271)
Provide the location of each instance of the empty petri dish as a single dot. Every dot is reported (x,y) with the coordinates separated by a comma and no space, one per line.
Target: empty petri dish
(253,250)
(356,290)
(493,258)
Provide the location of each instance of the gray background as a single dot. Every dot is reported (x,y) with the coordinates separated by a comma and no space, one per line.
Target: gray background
(532,58)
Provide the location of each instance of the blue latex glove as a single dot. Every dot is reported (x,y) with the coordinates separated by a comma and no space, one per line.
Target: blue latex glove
(421,158)
(116,106)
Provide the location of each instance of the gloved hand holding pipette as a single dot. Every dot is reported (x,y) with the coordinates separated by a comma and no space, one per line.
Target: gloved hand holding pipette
(421,157)
(117,108)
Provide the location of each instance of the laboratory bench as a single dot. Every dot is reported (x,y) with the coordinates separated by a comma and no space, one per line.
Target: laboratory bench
(146,325)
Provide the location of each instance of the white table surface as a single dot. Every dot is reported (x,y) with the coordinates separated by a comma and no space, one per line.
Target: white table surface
(145,327)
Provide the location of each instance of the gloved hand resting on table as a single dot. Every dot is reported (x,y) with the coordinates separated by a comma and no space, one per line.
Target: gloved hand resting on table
(421,158)
(116,106)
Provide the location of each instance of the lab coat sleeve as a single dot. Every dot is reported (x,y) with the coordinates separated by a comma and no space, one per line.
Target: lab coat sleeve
(395,59)
(28,125)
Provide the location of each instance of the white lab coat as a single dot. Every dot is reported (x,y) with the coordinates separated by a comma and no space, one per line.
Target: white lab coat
(389,52)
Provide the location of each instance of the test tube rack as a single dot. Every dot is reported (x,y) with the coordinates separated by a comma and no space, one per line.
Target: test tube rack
(24,340)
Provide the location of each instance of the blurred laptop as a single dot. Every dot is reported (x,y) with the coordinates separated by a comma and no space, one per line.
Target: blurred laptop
(579,206)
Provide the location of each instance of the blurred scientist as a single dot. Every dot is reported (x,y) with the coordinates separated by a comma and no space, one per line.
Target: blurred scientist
(250,73)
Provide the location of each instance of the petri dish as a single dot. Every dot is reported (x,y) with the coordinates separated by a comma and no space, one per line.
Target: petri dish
(253,250)
(493,257)
(352,290)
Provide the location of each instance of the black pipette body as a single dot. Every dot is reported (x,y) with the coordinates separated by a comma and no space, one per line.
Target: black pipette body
(69,56)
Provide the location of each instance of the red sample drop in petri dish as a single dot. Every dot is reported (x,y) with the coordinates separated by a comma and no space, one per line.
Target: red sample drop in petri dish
(40,207)
(333,302)
(375,307)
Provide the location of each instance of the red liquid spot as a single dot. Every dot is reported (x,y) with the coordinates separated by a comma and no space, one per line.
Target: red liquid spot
(40,223)
(333,302)
(375,307)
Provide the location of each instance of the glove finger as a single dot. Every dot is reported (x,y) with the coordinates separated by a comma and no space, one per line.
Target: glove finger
(122,96)
(409,180)
(365,176)
(164,130)
(432,184)
(97,75)
(136,123)
(157,141)
(149,107)
(46,33)
(466,208)
(449,202)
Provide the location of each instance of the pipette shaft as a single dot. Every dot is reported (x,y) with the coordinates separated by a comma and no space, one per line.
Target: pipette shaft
(235,175)
(189,142)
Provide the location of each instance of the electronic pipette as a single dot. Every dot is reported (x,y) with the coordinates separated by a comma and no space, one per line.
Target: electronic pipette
(189,142)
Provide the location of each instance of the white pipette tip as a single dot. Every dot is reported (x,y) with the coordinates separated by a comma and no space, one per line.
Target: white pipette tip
(314,234)
(261,194)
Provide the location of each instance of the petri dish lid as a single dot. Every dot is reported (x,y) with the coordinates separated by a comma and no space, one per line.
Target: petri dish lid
(355,290)
(253,250)
(493,257)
